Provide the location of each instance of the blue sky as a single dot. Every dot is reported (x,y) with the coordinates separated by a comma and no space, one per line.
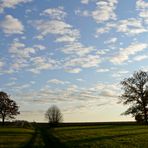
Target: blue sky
(71,53)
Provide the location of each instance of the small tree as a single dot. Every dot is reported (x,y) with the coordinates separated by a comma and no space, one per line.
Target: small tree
(135,93)
(54,115)
(8,107)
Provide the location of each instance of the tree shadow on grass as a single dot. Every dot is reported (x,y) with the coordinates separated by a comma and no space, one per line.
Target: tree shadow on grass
(49,139)
(101,138)
(14,133)
(31,141)
(106,127)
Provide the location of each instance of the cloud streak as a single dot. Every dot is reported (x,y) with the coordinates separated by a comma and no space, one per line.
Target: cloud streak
(124,53)
(11,4)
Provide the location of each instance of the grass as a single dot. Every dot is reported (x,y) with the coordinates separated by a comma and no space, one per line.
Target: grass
(98,136)
(14,137)
(106,136)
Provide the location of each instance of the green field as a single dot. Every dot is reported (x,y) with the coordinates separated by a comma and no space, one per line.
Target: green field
(100,136)
(14,137)
(106,136)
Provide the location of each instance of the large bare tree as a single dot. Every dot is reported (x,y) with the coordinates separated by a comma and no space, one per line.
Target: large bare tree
(8,107)
(54,115)
(135,94)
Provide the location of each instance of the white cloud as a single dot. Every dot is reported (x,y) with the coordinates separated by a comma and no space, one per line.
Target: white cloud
(109,93)
(130,26)
(77,48)
(120,74)
(20,87)
(103,70)
(103,86)
(73,70)
(88,1)
(20,50)
(55,13)
(104,29)
(18,64)
(79,79)
(102,51)
(11,3)
(24,57)
(7,71)
(39,47)
(11,25)
(10,84)
(39,64)
(84,62)
(65,32)
(111,41)
(1,64)
(85,1)
(142,7)
(141,57)
(69,38)
(124,54)
(56,26)
(104,11)
(52,27)
(82,13)
(140,4)
(144,15)
(57,81)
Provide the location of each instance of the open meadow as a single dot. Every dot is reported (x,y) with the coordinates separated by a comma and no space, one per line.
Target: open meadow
(98,136)
(103,136)
(14,137)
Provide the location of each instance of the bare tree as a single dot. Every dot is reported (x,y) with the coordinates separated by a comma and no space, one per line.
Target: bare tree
(54,115)
(135,93)
(8,107)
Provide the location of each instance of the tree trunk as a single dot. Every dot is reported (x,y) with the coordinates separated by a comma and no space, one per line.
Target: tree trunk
(145,115)
(3,120)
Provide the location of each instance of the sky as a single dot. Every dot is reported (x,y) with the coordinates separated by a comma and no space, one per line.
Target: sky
(71,53)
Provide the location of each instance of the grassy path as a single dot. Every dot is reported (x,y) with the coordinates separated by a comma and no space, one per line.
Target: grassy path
(43,138)
(49,140)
